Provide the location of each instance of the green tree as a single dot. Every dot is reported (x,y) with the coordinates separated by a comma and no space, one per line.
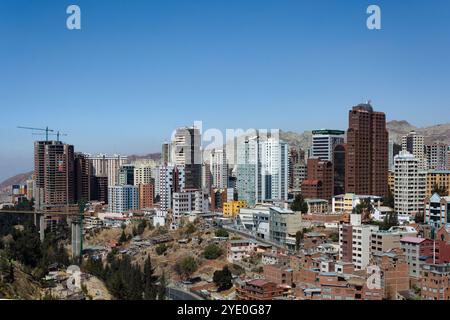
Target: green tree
(162,287)
(212,252)
(299,204)
(186,266)
(161,249)
(390,220)
(298,239)
(440,190)
(26,246)
(150,287)
(364,208)
(223,279)
(123,237)
(222,233)
(190,228)
(419,217)
(141,227)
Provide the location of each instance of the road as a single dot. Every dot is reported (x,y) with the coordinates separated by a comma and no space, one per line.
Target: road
(6,211)
(250,235)
(180,294)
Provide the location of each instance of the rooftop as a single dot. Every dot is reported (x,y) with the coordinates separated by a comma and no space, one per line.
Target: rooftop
(412,240)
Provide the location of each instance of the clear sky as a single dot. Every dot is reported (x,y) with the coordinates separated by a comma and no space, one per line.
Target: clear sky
(138,69)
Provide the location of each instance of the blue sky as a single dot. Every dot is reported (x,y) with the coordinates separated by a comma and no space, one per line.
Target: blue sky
(137,69)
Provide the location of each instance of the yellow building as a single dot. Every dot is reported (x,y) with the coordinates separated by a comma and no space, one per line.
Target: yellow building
(231,208)
(440,178)
(391,180)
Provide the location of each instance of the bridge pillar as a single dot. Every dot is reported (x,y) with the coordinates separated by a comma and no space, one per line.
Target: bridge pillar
(77,237)
(39,222)
(42,227)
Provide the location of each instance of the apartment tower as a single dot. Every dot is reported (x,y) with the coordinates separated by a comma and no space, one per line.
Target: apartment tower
(366,170)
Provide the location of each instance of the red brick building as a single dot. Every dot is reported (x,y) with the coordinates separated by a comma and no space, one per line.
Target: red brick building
(146,195)
(278,274)
(435,282)
(319,183)
(394,270)
(259,289)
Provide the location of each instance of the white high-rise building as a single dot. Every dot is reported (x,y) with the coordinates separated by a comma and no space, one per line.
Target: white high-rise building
(103,165)
(275,164)
(414,144)
(409,184)
(187,202)
(323,143)
(170,180)
(362,237)
(262,170)
(123,198)
(355,241)
(219,168)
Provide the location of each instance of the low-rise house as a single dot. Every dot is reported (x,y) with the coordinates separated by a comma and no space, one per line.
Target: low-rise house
(394,272)
(259,289)
(278,274)
(435,282)
(275,258)
(239,249)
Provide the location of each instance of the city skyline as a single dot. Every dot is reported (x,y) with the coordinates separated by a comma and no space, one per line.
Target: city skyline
(166,65)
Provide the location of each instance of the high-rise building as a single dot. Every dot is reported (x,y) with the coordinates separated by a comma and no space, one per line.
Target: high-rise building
(207,179)
(319,183)
(248,170)
(274,169)
(82,178)
(262,170)
(219,197)
(409,184)
(166,153)
(219,168)
(54,173)
(414,144)
(394,149)
(143,174)
(39,163)
(171,179)
(438,178)
(126,175)
(448,158)
(104,165)
(366,169)
(30,189)
(299,172)
(436,155)
(355,242)
(99,188)
(297,169)
(146,195)
(323,143)
(186,151)
(123,198)
(189,201)
(339,169)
